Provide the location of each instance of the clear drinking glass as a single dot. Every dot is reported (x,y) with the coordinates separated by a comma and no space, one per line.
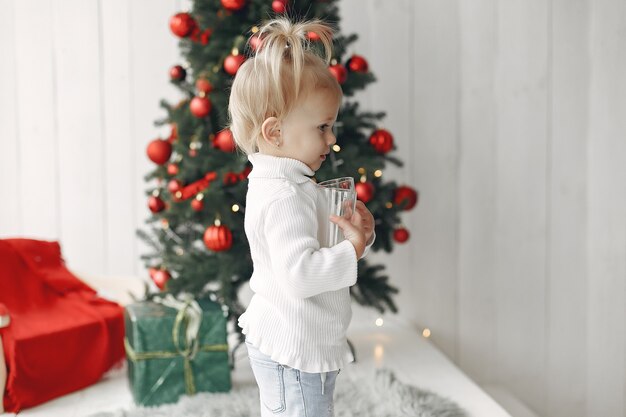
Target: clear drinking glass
(338,197)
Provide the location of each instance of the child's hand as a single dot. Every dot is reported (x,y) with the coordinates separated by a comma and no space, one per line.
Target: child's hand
(353,230)
(367,220)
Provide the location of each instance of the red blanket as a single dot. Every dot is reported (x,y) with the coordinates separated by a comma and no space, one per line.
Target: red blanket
(62,336)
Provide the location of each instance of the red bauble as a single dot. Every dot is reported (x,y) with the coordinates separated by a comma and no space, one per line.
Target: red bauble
(233,5)
(364,191)
(231,178)
(177,73)
(218,238)
(159,151)
(255,42)
(405,195)
(172,169)
(200,106)
(174,185)
(182,24)
(173,133)
(203,86)
(232,63)
(401,235)
(312,36)
(155,204)
(357,64)
(279,6)
(160,278)
(197,205)
(224,141)
(381,140)
(339,72)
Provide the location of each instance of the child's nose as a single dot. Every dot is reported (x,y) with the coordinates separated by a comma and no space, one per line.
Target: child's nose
(332,139)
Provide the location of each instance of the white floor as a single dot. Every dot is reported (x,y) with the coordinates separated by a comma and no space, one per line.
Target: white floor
(395,345)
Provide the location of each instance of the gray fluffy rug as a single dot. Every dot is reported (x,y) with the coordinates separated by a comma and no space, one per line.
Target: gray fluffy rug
(380,395)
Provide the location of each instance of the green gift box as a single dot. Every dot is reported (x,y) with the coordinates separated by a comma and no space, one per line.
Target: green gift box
(170,351)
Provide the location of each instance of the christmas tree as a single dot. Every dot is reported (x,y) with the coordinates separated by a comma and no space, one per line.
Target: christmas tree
(198,187)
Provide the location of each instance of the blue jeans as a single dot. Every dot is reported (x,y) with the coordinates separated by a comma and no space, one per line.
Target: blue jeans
(289,392)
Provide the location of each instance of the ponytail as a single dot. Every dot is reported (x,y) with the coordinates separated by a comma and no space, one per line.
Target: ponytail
(286,44)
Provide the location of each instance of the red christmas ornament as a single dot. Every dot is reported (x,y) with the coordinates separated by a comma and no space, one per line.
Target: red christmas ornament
(174,185)
(405,195)
(218,238)
(159,151)
(231,178)
(339,72)
(193,153)
(224,141)
(382,141)
(206,36)
(232,63)
(177,73)
(197,205)
(182,24)
(233,5)
(357,64)
(312,36)
(244,174)
(172,169)
(401,235)
(279,6)
(173,133)
(160,278)
(200,106)
(155,204)
(203,86)
(364,191)
(255,42)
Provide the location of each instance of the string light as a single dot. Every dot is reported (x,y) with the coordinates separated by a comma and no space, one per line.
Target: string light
(379,322)
(426,332)
(336,148)
(254,29)
(235,52)
(179,194)
(218,222)
(333,61)
(362,171)
(389,204)
(378,173)
(156,192)
(235,208)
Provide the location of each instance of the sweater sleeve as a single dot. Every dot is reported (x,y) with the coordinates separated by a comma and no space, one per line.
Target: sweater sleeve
(302,268)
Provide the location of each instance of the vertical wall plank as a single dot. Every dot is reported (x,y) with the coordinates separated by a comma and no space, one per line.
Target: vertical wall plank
(520,221)
(153,50)
(36,120)
(435,124)
(10,217)
(118,158)
(477,313)
(78,103)
(607,207)
(567,249)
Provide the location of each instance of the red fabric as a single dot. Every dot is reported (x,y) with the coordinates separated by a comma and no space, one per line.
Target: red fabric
(62,336)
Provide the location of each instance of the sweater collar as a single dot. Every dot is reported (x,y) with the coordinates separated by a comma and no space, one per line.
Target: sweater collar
(268,166)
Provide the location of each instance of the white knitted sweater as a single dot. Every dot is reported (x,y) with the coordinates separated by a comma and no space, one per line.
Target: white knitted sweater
(301,305)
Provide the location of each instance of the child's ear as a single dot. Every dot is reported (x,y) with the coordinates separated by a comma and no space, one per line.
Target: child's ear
(271,131)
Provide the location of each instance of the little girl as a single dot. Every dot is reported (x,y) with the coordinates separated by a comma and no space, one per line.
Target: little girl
(283,104)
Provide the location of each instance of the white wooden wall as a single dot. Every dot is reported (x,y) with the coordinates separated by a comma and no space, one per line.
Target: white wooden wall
(510,116)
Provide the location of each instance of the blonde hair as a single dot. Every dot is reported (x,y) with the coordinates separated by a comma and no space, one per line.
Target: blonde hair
(283,70)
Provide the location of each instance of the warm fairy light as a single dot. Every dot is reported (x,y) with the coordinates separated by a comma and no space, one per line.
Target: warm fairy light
(336,148)
(164,223)
(235,208)
(216,68)
(362,171)
(235,52)
(378,173)
(333,61)
(156,192)
(179,251)
(218,222)
(426,332)
(379,352)
(363,178)
(254,29)
(179,194)
(379,322)
(389,204)
(199,196)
